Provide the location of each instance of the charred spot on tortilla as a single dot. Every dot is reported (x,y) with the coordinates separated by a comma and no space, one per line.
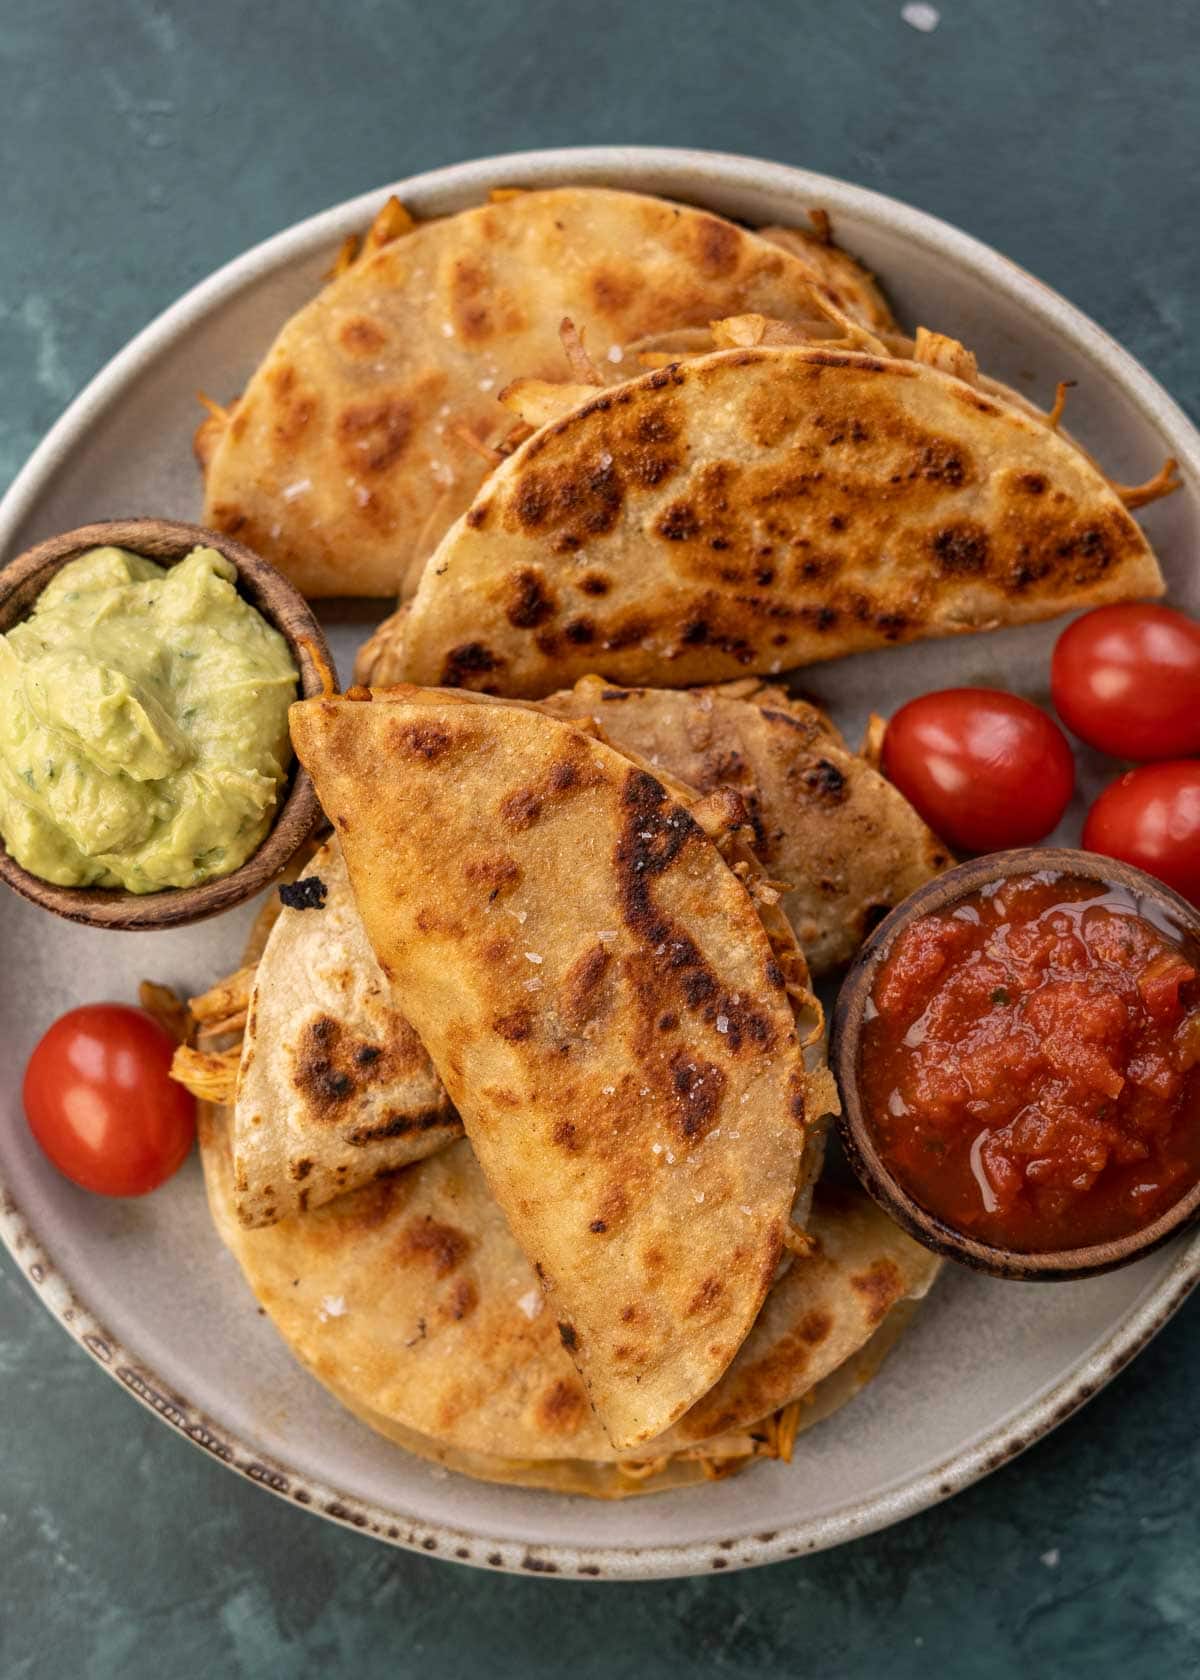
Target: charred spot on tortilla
(942,463)
(580,997)
(825,781)
(698,1087)
(373,1206)
(961,550)
(582,500)
(327,1061)
(515,1026)
(568,1336)
(566,1134)
(530,604)
(705,1297)
(362,336)
(428,741)
(503,1097)
(627,633)
(814,1327)
(615,1202)
(680,523)
(562,1407)
(399,1125)
(880,1287)
(522,808)
(651,469)
(373,436)
(469,659)
(496,870)
(655,833)
(464,1298)
(306,894)
(442,1247)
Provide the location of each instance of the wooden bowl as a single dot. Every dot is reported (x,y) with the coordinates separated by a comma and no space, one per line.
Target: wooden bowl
(846,1038)
(168,541)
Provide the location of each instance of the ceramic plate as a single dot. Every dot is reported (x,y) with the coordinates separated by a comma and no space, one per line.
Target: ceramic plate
(146,1286)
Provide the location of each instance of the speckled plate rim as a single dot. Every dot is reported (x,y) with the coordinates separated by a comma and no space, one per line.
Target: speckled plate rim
(685,173)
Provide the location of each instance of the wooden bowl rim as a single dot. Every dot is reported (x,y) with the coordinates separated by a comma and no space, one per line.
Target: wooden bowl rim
(168,541)
(1051,1266)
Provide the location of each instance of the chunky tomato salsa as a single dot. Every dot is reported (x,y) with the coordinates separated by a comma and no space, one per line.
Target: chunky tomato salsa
(1030,1067)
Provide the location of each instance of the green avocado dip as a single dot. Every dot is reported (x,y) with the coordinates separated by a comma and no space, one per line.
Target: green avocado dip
(143,724)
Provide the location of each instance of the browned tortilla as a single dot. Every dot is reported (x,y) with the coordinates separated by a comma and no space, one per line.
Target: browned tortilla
(596,988)
(334,1087)
(412,1302)
(844,843)
(756,510)
(345,459)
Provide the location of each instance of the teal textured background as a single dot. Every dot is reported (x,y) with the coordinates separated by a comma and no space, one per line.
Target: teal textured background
(143,145)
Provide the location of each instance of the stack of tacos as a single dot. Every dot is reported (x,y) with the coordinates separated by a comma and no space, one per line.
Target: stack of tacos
(518,1103)
(624,1277)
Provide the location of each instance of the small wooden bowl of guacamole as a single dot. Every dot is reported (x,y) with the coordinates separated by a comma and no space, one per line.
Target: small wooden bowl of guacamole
(146,773)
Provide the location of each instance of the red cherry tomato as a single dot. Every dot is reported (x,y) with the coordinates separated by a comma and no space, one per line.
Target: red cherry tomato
(985,769)
(100,1103)
(1151,817)
(1127,680)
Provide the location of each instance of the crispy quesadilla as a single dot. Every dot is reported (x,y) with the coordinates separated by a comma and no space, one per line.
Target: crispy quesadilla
(333,1087)
(845,844)
(761,509)
(597,988)
(373,419)
(412,1302)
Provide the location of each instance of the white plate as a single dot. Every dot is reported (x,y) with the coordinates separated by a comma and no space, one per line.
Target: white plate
(146,1286)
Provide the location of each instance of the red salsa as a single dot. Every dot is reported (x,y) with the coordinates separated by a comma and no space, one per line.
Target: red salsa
(1030,1066)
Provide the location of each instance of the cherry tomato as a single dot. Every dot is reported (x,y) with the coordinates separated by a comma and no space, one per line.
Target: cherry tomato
(1151,817)
(985,769)
(1127,680)
(100,1103)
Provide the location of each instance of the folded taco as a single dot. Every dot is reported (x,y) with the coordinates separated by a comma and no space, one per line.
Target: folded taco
(615,1005)
(331,1086)
(758,509)
(411,1301)
(373,419)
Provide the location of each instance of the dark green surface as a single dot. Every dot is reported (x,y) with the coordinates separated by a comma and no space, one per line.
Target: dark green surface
(143,145)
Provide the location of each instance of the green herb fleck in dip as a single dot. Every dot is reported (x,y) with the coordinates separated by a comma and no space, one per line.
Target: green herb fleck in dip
(143,724)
